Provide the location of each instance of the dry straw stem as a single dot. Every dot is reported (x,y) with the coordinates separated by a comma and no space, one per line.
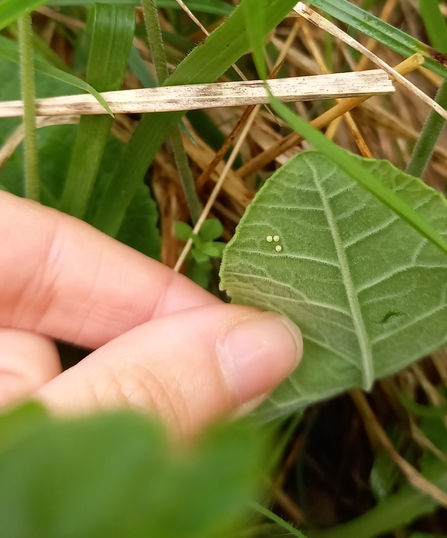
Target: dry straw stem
(201,96)
(206,174)
(413,475)
(217,187)
(16,138)
(261,160)
(313,17)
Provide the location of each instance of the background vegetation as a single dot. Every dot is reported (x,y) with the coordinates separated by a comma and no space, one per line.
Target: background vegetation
(358,465)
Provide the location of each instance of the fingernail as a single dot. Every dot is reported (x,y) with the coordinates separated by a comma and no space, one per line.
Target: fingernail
(258,353)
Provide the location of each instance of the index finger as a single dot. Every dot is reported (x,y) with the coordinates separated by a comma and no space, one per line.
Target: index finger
(62,278)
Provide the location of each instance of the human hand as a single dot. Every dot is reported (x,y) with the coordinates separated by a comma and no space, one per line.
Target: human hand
(162,344)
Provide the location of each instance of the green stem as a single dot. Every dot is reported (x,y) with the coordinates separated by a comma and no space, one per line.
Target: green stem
(425,146)
(159,57)
(28,96)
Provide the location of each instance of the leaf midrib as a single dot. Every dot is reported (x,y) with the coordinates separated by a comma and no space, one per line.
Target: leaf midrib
(354,305)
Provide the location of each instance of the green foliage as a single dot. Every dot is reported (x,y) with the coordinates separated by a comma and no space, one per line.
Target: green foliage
(215,7)
(367,301)
(9,51)
(112,30)
(204,64)
(55,144)
(203,248)
(385,33)
(117,475)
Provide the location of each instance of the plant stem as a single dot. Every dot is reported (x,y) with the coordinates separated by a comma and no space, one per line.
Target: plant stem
(161,68)
(425,146)
(28,96)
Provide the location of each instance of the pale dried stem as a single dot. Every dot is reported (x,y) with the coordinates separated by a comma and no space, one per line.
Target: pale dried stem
(238,127)
(261,160)
(217,187)
(356,134)
(200,96)
(16,138)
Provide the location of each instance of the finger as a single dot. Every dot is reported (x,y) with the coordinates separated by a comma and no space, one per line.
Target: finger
(61,277)
(27,361)
(189,368)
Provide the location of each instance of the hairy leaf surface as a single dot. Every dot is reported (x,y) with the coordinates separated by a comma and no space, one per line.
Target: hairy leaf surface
(367,290)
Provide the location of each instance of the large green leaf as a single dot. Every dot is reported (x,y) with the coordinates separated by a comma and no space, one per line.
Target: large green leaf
(367,290)
(117,476)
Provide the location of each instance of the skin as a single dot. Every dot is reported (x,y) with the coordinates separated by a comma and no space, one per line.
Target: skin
(161,344)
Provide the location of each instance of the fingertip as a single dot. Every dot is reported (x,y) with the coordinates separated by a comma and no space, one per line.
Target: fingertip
(259,352)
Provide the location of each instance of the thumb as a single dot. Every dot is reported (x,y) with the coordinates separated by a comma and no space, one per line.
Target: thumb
(189,368)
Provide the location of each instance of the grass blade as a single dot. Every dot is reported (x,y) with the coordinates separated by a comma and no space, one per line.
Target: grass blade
(423,151)
(383,32)
(112,29)
(213,7)
(9,51)
(254,18)
(11,10)
(205,64)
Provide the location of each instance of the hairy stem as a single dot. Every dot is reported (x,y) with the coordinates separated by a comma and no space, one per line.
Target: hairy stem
(159,58)
(28,96)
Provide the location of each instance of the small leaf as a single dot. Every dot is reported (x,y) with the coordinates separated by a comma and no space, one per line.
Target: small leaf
(183,231)
(200,257)
(199,272)
(211,229)
(317,247)
(210,249)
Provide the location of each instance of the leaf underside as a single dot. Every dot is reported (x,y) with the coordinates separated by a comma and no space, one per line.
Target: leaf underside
(368,292)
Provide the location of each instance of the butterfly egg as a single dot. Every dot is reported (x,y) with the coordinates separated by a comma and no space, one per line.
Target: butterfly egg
(269,238)
(278,248)
(276,238)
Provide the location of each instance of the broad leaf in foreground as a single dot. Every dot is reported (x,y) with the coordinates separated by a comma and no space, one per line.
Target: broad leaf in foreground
(367,290)
(116,475)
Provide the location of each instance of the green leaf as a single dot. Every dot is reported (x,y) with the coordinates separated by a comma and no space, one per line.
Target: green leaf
(200,273)
(213,7)
(358,172)
(11,10)
(367,290)
(199,256)
(112,30)
(9,51)
(385,33)
(211,249)
(139,229)
(435,23)
(183,231)
(205,64)
(254,19)
(117,475)
(211,229)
